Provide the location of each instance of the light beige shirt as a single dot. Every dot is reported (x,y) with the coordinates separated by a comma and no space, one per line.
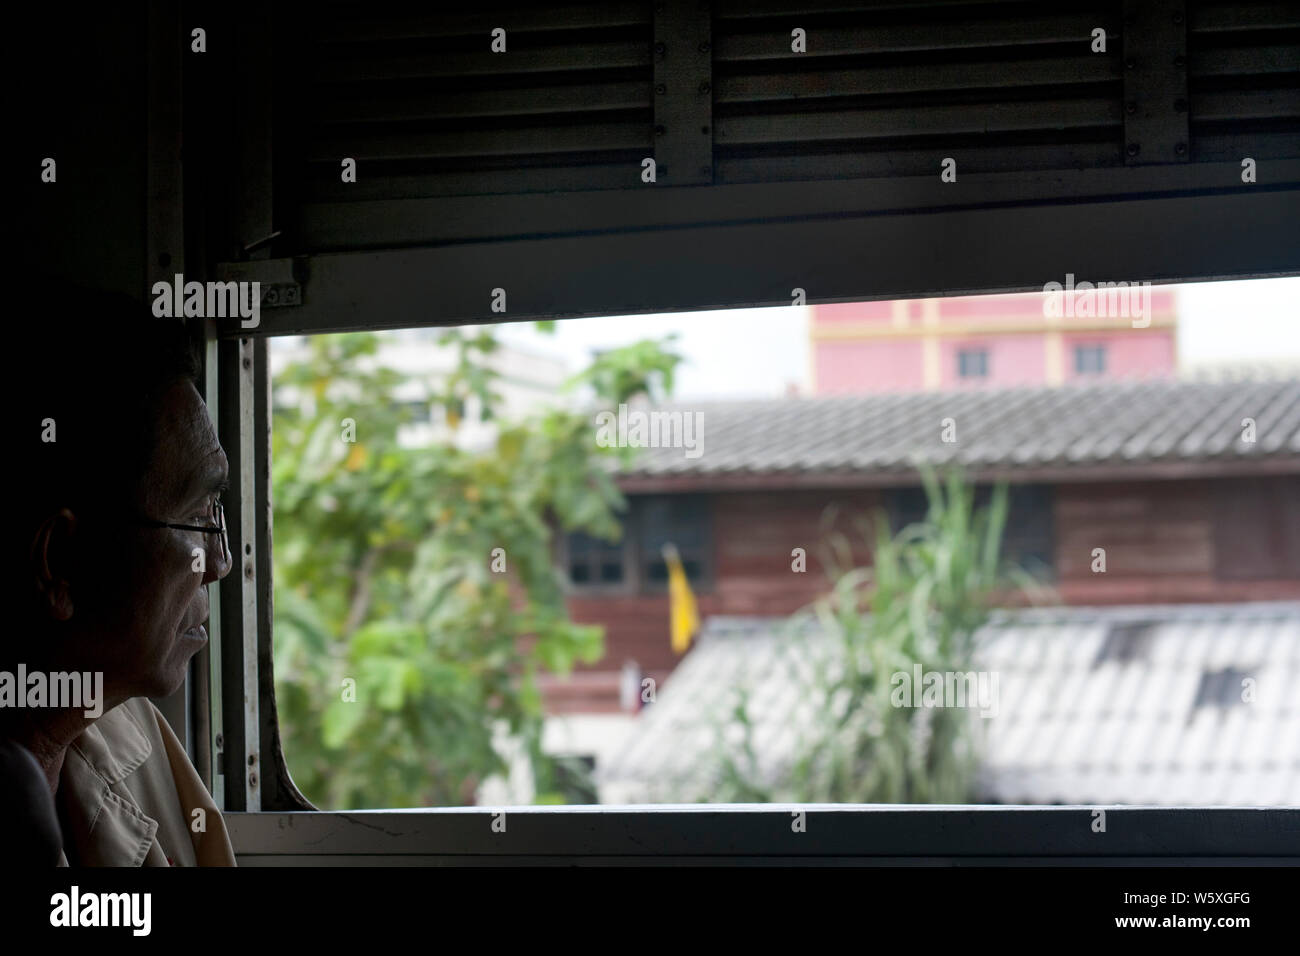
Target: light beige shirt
(128,794)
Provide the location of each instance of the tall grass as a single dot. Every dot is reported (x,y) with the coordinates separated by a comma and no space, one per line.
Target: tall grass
(927,591)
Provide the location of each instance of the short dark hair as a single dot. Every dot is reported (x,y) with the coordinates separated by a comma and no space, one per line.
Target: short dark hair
(97,364)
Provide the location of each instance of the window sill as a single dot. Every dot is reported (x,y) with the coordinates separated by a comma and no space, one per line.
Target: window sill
(765,833)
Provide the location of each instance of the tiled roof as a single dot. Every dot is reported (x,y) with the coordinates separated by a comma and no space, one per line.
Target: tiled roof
(1110,423)
(1129,705)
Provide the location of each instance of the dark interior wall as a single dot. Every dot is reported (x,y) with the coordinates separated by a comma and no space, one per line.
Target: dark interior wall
(79,90)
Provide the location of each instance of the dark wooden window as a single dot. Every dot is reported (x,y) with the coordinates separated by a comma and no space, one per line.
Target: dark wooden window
(636,562)
(682,520)
(595,562)
(1028,538)
(905,506)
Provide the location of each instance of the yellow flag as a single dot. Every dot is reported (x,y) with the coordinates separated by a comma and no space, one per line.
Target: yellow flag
(684,620)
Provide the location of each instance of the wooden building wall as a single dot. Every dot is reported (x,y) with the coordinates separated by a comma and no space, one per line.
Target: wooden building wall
(1180,541)
(1184,541)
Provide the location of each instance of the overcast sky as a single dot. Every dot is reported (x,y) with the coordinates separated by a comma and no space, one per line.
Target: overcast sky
(755,352)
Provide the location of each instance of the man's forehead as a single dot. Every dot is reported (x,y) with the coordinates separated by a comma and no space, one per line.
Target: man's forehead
(187,459)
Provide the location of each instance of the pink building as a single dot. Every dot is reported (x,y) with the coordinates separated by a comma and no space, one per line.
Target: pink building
(1029,339)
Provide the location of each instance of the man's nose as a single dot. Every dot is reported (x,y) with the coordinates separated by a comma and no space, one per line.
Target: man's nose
(224,563)
(219,558)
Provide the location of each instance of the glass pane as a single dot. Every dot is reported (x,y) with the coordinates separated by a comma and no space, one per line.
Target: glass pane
(1151,566)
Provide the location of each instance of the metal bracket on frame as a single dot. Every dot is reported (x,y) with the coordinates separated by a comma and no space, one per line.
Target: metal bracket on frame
(1155,82)
(683,93)
(280,287)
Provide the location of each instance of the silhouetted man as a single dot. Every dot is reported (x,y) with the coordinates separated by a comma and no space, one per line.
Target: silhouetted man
(115,530)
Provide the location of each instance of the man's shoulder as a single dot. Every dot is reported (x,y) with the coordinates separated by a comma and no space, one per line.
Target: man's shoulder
(190,825)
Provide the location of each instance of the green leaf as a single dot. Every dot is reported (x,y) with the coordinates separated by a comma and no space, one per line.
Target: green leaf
(340,721)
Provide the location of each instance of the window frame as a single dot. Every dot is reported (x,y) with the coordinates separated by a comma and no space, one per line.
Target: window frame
(635,582)
(271,821)
(1058,218)
(625,587)
(688,835)
(1100,349)
(705,504)
(967,352)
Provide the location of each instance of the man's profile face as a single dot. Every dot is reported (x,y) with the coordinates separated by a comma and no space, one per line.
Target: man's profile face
(148,607)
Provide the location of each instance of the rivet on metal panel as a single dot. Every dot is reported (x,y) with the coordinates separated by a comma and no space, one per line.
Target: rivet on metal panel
(704,47)
(660,49)
(1130,107)
(221,741)
(1133,149)
(661,89)
(252,778)
(252,759)
(248,570)
(1180,148)
(1180,62)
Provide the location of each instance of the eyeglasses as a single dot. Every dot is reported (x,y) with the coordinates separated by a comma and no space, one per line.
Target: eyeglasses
(218,528)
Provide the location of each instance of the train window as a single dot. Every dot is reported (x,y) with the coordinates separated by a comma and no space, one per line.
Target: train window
(423,572)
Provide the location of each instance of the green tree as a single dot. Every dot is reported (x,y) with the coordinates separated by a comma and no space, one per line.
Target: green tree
(416,599)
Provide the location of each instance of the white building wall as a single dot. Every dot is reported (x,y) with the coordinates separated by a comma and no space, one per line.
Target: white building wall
(528,382)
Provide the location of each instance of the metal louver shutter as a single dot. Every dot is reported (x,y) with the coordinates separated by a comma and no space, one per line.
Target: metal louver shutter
(1244,80)
(773,167)
(427,109)
(889,89)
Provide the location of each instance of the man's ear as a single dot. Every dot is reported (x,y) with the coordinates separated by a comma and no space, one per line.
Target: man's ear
(51,555)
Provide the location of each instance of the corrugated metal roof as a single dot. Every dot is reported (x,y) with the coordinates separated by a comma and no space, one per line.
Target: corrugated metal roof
(1161,723)
(1110,423)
